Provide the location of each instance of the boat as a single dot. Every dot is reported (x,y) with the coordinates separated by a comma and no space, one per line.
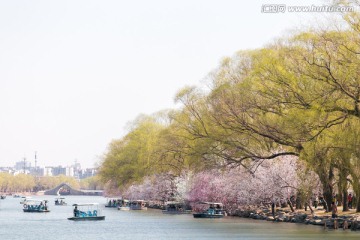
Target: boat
(60,201)
(16,196)
(175,208)
(2,196)
(113,203)
(124,205)
(137,205)
(215,210)
(36,206)
(87,212)
(24,200)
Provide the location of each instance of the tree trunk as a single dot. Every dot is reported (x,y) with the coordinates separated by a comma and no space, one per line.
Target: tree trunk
(328,197)
(299,201)
(345,201)
(311,209)
(291,206)
(357,202)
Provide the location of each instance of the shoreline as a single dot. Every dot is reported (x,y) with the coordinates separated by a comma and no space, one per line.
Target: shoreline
(344,220)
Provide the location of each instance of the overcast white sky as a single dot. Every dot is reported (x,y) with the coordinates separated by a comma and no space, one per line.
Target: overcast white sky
(74,73)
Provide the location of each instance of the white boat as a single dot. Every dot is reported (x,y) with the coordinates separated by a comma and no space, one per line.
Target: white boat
(125,206)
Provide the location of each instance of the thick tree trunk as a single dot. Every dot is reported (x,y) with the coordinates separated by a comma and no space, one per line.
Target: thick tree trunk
(299,201)
(328,189)
(291,206)
(328,197)
(345,201)
(357,200)
(311,209)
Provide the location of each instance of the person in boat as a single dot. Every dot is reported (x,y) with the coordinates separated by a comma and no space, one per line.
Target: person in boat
(218,209)
(76,212)
(211,209)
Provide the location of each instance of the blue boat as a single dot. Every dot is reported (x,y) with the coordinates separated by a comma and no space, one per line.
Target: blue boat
(39,206)
(87,212)
(215,210)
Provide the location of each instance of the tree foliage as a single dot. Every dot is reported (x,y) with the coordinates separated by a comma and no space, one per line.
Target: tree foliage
(298,97)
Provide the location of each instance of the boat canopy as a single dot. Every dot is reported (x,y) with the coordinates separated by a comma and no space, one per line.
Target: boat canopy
(211,203)
(138,201)
(173,202)
(34,201)
(85,204)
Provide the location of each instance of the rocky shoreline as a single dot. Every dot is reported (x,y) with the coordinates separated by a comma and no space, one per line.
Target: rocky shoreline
(345,221)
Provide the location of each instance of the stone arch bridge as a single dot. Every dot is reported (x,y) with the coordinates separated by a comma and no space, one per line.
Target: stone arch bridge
(66,189)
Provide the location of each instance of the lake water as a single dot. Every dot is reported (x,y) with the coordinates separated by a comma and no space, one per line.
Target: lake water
(151,224)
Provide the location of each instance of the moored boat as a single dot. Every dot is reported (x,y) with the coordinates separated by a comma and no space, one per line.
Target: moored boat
(137,205)
(175,208)
(36,206)
(2,196)
(215,210)
(113,203)
(87,212)
(124,205)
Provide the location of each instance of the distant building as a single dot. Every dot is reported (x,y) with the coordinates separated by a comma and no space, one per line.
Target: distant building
(88,172)
(21,165)
(9,170)
(70,171)
(59,170)
(38,172)
(48,171)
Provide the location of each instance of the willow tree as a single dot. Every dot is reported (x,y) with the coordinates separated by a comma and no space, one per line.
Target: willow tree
(132,158)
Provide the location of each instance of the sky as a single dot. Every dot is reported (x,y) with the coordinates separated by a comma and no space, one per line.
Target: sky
(74,73)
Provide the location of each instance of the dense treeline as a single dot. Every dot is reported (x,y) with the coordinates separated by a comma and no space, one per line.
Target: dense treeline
(298,97)
(28,183)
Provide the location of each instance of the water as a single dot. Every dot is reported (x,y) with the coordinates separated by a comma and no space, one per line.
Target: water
(151,224)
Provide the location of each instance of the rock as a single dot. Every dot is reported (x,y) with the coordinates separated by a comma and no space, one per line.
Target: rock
(318,222)
(300,218)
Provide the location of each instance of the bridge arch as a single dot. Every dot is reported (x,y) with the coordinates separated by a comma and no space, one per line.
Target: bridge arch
(68,190)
